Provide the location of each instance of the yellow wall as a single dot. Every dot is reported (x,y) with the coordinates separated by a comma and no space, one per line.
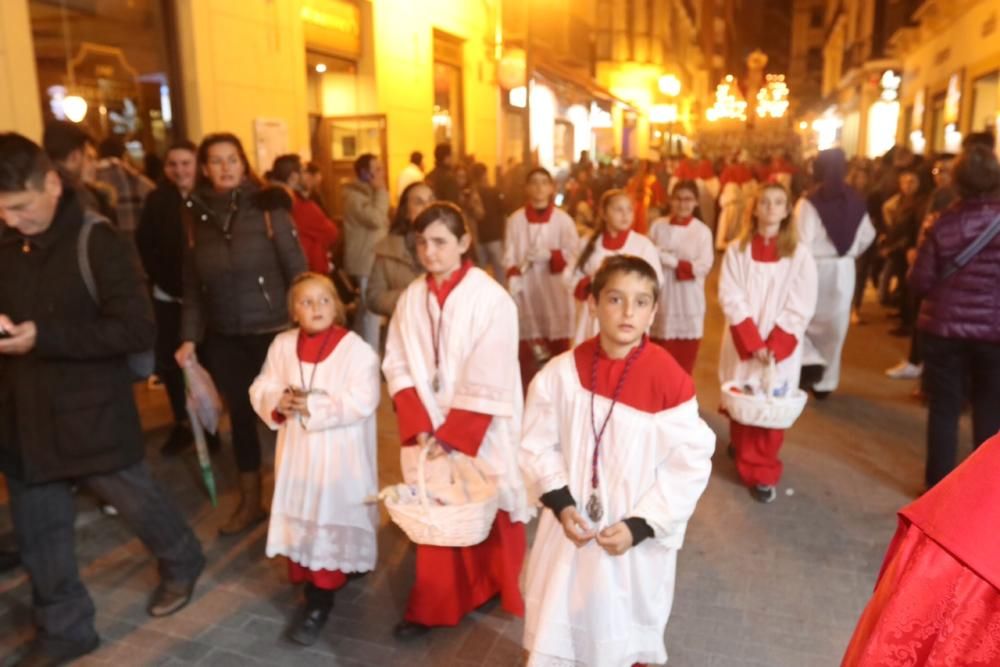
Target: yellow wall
(635,83)
(404,71)
(19,105)
(241,60)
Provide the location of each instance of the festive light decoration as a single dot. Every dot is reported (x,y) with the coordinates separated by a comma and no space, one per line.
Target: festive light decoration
(729,102)
(670,85)
(75,108)
(772,98)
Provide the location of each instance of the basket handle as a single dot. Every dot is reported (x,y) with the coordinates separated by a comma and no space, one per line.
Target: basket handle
(770,372)
(421,480)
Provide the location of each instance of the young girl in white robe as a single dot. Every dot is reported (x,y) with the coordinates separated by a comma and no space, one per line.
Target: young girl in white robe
(767,290)
(319,388)
(686,255)
(613,235)
(614,447)
(539,242)
(451,368)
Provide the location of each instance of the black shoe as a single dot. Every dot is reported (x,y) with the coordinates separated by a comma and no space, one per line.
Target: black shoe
(764,493)
(405,630)
(180,439)
(10,559)
(810,375)
(307,627)
(34,655)
(821,395)
(172,596)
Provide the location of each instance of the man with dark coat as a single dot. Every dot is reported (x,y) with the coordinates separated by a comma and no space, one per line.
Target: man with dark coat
(67,414)
(442,177)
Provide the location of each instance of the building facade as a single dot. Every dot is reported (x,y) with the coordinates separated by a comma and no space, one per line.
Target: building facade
(805,66)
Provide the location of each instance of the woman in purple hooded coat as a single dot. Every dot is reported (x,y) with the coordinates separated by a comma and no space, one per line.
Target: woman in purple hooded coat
(833,223)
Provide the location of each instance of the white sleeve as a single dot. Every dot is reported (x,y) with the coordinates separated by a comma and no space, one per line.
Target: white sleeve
(356,400)
(863,238)
(395,366)
(806,220)
(732,294)
(800,306)
(681,476)
(266,390)
(540,454)
(569,240)
(704,253)
(491,374)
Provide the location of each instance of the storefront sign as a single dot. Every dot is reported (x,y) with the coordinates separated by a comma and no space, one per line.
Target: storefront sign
(271,140)
(332,25)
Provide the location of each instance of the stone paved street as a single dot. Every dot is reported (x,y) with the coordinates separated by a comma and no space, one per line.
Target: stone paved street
(761,586)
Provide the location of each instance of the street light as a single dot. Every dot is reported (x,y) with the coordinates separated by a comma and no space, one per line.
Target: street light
(670,85)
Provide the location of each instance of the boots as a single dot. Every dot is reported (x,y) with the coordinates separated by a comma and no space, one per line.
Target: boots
(249,512)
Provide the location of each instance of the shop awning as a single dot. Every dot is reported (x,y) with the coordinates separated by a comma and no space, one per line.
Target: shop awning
(574,78)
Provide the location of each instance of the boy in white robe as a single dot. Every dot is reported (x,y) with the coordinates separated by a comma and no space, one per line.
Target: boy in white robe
(613,235)
(539,242)
(614,446)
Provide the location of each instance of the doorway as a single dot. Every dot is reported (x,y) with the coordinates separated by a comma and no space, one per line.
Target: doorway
(337,141)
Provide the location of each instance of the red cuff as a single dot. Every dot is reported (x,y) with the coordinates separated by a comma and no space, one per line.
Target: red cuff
(582,290)
(277,417)
(684,270)
(746,338)
(513,271)
(411,415)
(464,430)
(781,343)
(557,262)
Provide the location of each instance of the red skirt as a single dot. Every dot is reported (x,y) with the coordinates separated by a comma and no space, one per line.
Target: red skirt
(928,610)
(452,581)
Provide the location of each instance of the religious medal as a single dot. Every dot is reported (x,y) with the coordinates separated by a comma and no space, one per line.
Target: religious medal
(436,342)
(436,382)
(594,509)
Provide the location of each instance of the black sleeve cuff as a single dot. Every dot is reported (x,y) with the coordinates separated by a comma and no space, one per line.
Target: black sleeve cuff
(558,500)
(639,528)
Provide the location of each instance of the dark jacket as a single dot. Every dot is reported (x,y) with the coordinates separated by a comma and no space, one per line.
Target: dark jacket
(443,183)
(967,304)
(491,227)
(66,408)
(160,239)
(237,271)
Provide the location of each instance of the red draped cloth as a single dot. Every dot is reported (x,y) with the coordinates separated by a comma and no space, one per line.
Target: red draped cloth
(937,600)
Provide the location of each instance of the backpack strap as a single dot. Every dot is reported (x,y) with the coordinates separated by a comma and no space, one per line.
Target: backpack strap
(83,253)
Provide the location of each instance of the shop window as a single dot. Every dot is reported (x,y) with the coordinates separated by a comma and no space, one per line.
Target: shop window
(108,66)
(448,99)
(937,125)
(985,102)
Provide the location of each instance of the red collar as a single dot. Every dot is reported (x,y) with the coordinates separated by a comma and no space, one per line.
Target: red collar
(614,242)
(311,348)
(764,250)
(681,222)
(534,215)
(444,289)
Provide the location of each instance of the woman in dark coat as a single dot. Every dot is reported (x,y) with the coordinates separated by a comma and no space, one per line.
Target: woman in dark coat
(960,314)
(241,254)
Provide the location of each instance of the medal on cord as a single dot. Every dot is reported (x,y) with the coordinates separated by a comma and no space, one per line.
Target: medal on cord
(307,389)
(595,510)
(435,341)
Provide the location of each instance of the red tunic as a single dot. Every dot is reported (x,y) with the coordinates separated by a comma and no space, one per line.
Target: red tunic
(452,581)
(317,234)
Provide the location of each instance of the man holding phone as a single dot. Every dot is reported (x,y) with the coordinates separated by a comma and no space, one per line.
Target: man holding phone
(366,220)
(67,415)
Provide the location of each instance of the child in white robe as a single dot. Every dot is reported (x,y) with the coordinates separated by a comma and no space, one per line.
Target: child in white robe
(613,235)
(451,369)
(685,246)
(319,388)
(613,445)
(767,290)
(539,242)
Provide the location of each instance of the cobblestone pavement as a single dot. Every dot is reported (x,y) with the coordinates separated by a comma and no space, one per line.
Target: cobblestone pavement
(763,586)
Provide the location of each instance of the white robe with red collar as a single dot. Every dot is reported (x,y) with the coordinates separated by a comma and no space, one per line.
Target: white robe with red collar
(478,370)
(635,244)
(544,304)
(584,606)
(680,313)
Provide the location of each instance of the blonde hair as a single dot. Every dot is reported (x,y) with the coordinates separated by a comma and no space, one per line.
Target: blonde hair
(327,284)
(788,235)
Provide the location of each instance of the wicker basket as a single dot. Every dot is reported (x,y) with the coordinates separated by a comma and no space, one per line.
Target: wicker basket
(442,525)
(768,411)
